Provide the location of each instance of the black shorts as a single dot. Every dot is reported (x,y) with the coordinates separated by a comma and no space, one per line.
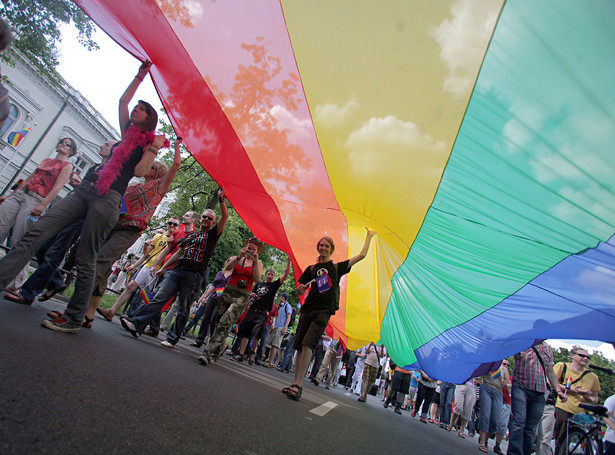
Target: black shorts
(401,382)
(252,325)
(310,329)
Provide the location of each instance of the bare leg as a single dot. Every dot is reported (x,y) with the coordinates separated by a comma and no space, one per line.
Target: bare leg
(94,301)
(244,345)
(124,296)
(301,364)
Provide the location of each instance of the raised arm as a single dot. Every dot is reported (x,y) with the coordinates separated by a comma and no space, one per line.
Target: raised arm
(364,250)
(130,92)
(286,272)
(170,175)
(223,212)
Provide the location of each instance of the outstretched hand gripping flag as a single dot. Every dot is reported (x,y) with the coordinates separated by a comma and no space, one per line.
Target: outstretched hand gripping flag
(475,136)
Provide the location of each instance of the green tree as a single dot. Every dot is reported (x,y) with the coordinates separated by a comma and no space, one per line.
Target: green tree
(36,26)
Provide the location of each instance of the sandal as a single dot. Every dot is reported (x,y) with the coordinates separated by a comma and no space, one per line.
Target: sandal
(293,391)
(461,434)
(87,322)
(55,314)
(49,294)
(105,313)
(449,428)
(17,298)
(483,448)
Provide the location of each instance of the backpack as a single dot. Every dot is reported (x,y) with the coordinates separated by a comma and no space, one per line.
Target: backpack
(292,318)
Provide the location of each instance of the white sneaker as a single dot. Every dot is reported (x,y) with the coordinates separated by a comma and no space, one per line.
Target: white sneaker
(166,344)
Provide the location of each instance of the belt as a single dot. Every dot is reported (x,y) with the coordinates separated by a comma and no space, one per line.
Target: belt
(261,311)
(33,194)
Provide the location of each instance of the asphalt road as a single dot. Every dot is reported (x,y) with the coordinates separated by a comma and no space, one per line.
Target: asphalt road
(103,391)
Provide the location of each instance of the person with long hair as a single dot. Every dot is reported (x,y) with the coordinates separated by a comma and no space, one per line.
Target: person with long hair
(323,281)
(32,196)
(97,201)
(246,270)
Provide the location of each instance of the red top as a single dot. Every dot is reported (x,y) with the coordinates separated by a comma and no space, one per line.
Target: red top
(242,273)
(173,243)
(45,176)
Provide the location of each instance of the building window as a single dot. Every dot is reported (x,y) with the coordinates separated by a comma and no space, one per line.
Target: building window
(10,121)
(81,165)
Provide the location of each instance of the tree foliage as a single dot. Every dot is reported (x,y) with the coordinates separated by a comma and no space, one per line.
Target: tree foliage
(194,190)
(36,26)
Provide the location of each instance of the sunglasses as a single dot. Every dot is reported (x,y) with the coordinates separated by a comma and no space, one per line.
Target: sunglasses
(172,223)
(67,143)
(207,217)
(583,356)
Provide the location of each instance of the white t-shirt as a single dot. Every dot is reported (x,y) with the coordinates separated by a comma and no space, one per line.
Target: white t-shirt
(610,405)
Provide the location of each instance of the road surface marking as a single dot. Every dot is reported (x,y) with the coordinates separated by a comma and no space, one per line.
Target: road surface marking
(323,408)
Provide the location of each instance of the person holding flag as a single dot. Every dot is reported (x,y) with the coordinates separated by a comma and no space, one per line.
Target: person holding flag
(192,260)
(323,280)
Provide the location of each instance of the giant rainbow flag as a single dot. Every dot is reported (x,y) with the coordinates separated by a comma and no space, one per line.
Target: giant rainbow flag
(476,137)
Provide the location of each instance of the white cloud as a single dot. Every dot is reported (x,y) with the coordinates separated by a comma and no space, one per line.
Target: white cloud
(387,137)
(331,115)
(462,41)
(195,10)
(298,129)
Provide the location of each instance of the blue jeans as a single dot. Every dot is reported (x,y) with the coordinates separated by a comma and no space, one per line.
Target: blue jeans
(175,282)
(490,409)
(195,320)
(527,408)
(287,361)
(99,214)
(447,396)
(52,260)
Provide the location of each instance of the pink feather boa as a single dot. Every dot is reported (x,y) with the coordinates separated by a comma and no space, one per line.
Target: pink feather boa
(133,138)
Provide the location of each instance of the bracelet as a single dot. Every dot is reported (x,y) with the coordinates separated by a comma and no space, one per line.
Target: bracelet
(153,149)
(221,200)
(140,78)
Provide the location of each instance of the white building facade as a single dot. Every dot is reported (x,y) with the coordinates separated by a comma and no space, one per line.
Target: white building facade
(51,112)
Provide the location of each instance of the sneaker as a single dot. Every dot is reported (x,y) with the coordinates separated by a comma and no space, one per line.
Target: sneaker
(128,325)
(150,332)
(327,387)
(257,361)
(397,410)
(496,449)
(105,313)
(237,358)
(167,344)
(203,360)
(251,360)
(315,381)
(61,324)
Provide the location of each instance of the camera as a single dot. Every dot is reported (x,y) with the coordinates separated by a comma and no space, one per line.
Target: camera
(242,283)
(248,253)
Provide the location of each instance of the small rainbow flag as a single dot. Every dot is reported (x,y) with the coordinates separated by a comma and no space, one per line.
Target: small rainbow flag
(219,291)
(495,374)
(16,137)
(147,295)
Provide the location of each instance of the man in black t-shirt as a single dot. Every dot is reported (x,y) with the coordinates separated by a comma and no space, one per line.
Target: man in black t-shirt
(192,259)
(263,294)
